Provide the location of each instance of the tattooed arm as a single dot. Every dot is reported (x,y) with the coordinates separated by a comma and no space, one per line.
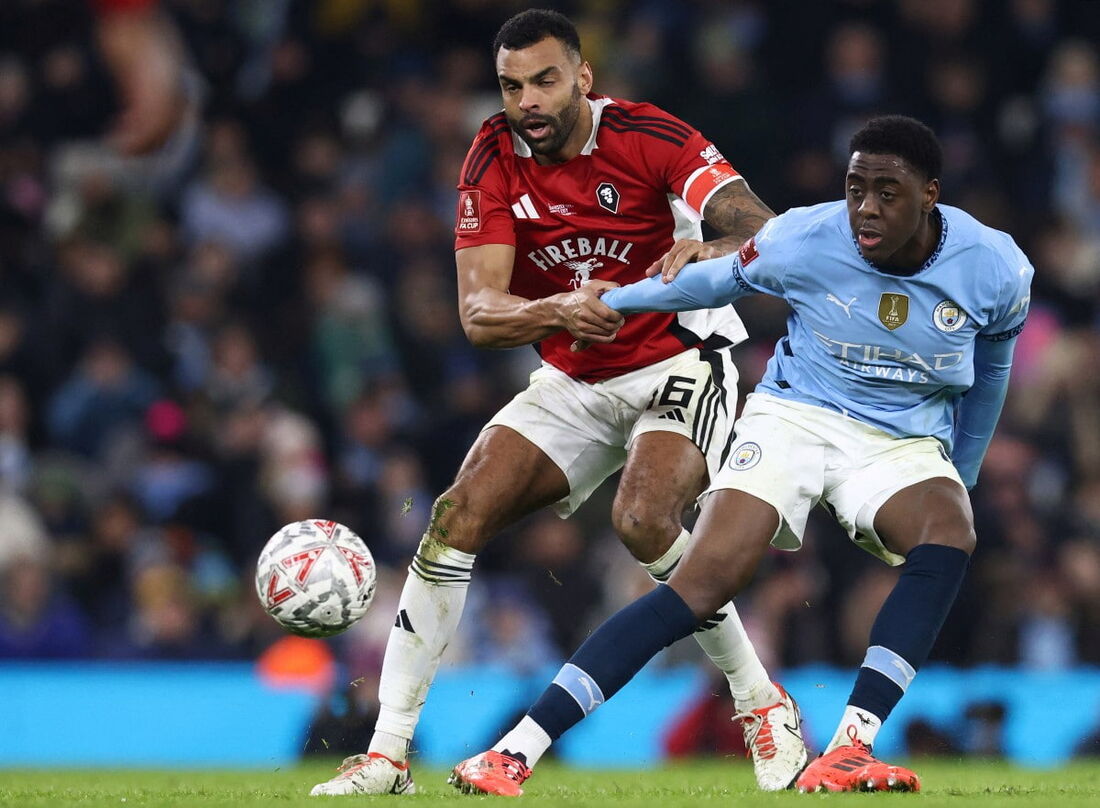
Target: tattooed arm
(735,212)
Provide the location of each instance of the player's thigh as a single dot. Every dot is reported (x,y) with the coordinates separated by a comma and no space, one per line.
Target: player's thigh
(503,478)
(933,511)
(733,532)
(679,438)
(663,475)
(891,494)
(776,458)
(577,426)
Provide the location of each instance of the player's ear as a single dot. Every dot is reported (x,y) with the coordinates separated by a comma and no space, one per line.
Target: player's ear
(584,78)
(931,195)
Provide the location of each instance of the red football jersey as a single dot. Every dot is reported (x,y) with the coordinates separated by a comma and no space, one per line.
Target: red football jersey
(641,181)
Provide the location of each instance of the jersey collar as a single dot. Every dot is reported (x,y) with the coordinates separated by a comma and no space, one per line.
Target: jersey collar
(928,261)
(596,105)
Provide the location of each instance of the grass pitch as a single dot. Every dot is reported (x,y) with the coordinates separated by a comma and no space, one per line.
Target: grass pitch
(716,783)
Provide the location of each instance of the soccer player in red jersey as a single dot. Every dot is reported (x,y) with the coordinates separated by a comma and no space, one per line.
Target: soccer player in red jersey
(565,194)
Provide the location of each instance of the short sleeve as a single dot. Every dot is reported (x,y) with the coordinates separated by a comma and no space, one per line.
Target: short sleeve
(690,165)
(1010,311)
(483,215)
(761,262)
(700,172)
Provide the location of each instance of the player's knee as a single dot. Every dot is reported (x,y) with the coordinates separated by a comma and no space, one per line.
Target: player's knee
(960,537)
(706,594)
(458,521)
(647,531)
(958,533)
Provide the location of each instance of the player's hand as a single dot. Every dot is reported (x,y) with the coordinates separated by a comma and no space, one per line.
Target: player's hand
(684,251)
(586,318)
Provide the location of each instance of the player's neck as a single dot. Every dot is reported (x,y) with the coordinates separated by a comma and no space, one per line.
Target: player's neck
(577,138)
(920,247)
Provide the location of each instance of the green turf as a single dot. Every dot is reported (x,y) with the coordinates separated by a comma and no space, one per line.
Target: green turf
(726,783)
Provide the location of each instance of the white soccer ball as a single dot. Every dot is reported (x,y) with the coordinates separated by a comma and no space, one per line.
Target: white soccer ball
(316,578)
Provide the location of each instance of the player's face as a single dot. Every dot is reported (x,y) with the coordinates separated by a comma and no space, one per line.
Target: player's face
(544,88)
(888,206)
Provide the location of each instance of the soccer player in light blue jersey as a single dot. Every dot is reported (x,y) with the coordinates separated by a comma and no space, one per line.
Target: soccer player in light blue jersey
(880,402)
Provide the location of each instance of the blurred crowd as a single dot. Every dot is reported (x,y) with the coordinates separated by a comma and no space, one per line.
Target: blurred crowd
(258,324)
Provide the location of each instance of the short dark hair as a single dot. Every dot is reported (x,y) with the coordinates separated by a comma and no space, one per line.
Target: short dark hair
(906,137)
(535,25)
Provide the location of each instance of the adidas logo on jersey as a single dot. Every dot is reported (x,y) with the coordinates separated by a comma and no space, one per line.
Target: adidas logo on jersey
(525,208)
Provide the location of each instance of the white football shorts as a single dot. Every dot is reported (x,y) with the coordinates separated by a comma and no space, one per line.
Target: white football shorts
(794,455)
(588,429)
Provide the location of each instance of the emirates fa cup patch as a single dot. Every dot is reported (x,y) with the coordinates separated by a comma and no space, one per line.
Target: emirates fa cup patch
(469,212)
(608,197)
(893,309)
(948,317)
(745,456)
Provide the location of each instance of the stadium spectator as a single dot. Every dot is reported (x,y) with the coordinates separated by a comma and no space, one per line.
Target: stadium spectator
(108,393)
(38,621)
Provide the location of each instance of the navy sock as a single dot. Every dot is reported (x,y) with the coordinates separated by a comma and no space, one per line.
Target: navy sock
(907,625)
(611,656)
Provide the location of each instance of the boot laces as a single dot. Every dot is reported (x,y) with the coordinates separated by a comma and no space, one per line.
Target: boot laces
(758,732)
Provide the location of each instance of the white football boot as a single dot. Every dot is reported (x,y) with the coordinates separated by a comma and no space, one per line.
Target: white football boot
(773,735)
(368,774)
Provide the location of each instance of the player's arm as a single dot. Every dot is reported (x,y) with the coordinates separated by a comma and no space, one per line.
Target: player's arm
(981,406)
(717,281)
(735,212)
(701,285)
(492,317)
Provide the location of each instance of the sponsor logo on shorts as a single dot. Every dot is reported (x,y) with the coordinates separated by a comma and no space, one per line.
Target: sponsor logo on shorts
(948,316)
(745,456)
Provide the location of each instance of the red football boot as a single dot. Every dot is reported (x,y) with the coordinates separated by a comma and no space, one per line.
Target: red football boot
(490,773)
(852,768)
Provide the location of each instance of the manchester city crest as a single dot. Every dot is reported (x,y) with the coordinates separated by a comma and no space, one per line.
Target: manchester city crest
(948,316)
(745,456)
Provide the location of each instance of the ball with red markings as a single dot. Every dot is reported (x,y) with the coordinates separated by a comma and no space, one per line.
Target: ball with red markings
(315,577)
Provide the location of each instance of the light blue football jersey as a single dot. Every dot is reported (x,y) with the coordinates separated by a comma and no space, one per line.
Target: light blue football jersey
(896,352)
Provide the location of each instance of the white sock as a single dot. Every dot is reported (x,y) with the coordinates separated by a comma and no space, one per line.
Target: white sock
(527,739)
(427,617)
(857,724)
(725,641)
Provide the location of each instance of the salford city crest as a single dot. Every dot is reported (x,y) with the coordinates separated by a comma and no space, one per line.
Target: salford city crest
(608,197)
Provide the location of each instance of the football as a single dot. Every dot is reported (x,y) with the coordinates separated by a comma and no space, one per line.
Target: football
(315,577)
